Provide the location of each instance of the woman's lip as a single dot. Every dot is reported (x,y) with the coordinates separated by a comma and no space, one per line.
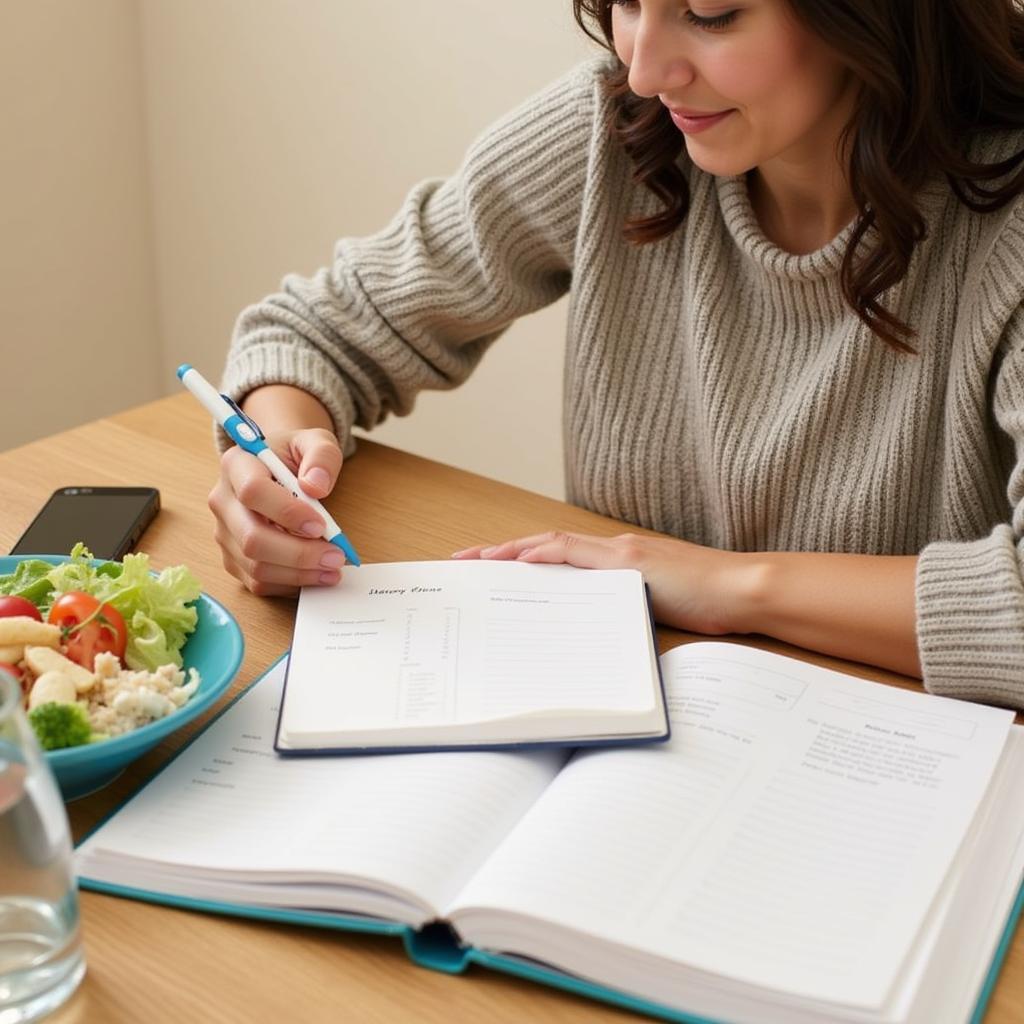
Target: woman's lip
(693,123)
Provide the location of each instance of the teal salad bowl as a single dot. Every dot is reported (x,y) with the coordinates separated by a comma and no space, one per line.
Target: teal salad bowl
(214,650)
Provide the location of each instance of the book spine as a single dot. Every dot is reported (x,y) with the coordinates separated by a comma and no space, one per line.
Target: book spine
(436,946)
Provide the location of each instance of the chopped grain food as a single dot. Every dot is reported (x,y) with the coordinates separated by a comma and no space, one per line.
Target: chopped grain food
(124,699)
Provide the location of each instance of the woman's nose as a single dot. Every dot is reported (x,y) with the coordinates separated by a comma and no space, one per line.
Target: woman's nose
(659,64)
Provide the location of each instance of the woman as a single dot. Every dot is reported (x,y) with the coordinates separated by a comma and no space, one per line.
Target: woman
(796,338)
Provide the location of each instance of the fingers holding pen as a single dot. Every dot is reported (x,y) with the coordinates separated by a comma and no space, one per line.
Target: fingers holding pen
(268,580)
(269,561)
(257,522)
(258,491)
(318,456)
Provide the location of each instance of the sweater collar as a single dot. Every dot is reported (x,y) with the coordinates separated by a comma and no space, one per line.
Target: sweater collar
(738,214)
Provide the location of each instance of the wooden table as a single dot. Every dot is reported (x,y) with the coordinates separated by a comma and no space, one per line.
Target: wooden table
(155,964)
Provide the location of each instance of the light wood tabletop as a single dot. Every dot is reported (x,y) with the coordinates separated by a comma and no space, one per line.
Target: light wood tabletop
(155,964)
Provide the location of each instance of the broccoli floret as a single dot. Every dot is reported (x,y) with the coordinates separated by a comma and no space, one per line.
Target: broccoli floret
(60,725)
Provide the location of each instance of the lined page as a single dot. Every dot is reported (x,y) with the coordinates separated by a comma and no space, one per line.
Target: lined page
(792,835)
(418,823)
(423,643)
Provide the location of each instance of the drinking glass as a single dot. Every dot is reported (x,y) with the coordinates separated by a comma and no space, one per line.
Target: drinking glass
(40,951)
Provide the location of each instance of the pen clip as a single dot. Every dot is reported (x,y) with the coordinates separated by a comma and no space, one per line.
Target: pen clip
(245,419)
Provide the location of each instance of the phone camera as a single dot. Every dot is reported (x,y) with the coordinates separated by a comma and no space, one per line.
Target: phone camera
(71,490)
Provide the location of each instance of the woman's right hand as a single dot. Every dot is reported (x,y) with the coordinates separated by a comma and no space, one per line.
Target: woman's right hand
(270,540)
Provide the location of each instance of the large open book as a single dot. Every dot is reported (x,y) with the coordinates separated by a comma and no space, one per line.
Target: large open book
(454,655)
(808,847)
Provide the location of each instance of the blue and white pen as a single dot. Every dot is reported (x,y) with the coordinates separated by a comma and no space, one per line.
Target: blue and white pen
(246,434)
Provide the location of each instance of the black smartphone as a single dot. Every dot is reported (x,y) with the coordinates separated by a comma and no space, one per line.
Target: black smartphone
(108,520)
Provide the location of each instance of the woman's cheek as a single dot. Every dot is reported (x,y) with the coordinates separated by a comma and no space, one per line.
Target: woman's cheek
(740,80)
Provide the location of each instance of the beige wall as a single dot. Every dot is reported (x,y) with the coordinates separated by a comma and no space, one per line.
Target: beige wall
(277,126)
(78,330)
(173,159)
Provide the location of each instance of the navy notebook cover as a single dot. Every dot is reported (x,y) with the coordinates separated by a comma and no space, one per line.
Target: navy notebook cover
(604,741)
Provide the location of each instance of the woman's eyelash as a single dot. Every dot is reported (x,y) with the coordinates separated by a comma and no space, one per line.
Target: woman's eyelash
(717,21)
(711,23)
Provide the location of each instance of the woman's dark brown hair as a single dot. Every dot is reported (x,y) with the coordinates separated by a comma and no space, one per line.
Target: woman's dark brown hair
(933,75)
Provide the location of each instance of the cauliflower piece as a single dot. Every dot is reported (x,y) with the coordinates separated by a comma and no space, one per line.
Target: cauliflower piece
(142,703)
(123,699)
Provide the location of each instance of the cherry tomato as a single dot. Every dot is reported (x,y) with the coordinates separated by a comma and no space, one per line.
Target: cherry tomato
(11,605)
(87,629)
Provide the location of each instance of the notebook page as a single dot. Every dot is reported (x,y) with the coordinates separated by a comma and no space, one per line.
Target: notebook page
(422,643)
(792,834)
(418,823)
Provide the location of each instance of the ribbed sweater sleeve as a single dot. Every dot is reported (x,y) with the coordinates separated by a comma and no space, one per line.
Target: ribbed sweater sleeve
(416,305)
(970,595)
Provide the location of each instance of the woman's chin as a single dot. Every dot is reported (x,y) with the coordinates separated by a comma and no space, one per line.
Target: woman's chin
(717,161)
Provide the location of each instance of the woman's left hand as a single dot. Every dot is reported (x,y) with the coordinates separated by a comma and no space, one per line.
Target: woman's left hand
(692,587)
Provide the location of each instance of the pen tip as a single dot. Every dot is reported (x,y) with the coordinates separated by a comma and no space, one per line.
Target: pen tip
(339,541)
(183,369)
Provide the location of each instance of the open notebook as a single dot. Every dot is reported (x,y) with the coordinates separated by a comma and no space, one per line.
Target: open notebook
(808,847)
(470,654)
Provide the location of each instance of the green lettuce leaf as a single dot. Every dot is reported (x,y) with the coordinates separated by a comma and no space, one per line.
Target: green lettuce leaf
(29,580)
(157,610)
(148,645)
(75,574)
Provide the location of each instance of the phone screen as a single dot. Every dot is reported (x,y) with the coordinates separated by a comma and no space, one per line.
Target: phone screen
(108,520)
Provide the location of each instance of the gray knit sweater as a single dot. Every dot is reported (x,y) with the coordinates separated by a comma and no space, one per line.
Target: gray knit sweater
(717,388)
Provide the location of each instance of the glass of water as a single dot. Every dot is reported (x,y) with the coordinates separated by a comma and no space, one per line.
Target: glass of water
(40,951)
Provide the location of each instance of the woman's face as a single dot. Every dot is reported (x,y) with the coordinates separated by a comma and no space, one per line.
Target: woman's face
(743,80)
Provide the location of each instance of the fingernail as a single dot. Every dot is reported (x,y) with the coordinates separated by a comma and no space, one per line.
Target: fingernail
(330,577)
(487,552)
(318,478)
(313,529)
(332,560)
(524,552)
(459,554)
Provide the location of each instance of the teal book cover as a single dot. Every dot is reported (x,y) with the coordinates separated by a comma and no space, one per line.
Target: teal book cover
(436,945)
